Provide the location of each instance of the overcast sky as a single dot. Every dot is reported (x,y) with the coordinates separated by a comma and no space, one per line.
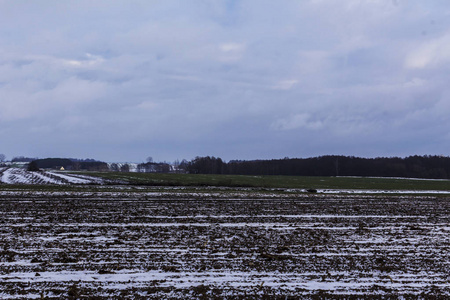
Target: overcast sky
(256,79)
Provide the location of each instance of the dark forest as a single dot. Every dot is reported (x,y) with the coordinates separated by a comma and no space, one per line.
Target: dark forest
(437,167)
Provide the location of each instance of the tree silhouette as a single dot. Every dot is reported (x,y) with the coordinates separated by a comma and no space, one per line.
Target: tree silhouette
(33,166)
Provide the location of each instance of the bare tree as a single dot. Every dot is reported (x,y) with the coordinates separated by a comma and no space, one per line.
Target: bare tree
(149,159)
(2,157)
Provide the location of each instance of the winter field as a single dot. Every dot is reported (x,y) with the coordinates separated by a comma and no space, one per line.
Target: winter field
(361,185)
(132,242)
(21,176)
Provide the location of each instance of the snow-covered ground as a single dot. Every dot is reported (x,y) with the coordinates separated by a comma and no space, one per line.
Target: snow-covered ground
(356,191)
(21,176)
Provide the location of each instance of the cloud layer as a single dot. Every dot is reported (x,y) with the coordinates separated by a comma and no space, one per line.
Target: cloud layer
(121,80)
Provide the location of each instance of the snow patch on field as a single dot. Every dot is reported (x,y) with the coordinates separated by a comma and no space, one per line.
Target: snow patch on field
(344,191)
(21,176)
(11,176)
(77,179)
(136,278)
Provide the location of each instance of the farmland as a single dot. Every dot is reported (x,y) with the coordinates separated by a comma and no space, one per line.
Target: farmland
(299,183)
(294,182)
(143,242)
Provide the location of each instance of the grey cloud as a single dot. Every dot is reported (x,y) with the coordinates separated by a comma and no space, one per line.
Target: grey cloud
(236,79)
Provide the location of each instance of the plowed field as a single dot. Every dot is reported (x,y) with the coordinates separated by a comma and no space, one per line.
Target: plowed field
(222,244)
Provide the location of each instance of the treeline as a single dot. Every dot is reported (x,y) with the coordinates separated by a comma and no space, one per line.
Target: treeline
(70,164)
(23,159)
(152,167)
(433,167)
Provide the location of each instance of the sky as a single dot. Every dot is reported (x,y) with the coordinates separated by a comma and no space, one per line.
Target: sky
(250,79)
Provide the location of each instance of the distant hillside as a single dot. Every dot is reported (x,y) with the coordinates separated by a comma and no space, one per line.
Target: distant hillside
(436,167)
